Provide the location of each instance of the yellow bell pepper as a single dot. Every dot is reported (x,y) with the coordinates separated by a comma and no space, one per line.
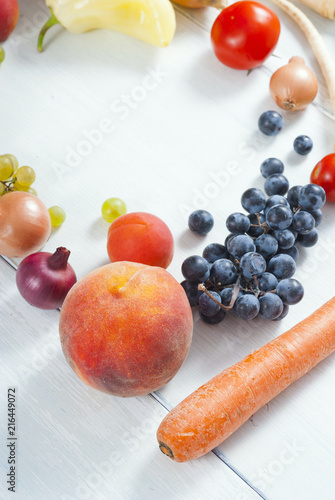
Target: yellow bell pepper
(152,21)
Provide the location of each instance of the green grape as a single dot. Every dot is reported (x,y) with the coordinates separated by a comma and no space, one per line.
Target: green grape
(25,176)
(31,191)
(17,187)
(7,167)
(14,161)
(2,54)
(26,189)
(112,209)
(2,188)
(57,216)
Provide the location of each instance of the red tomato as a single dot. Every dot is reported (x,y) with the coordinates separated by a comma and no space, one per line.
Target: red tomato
(323,174)
(245,34)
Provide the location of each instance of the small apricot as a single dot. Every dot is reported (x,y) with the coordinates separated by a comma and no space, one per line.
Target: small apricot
(140,237)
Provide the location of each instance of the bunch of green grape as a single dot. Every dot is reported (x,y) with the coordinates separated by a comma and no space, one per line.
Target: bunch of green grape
(15,178)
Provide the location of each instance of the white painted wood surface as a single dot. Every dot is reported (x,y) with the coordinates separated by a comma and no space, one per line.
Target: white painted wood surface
(167,130)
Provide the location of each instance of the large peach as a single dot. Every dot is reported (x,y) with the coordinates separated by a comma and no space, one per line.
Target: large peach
(126,328)
(140,237)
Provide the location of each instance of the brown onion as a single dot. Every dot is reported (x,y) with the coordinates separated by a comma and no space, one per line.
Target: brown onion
(294,85)
(24,224)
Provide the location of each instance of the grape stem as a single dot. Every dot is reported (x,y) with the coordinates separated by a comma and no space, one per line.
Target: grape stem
(235,293)
(9,185)
(259,219)
(263,225)
(236,290)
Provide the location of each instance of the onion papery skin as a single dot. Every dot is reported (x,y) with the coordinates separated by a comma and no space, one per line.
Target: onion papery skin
(25,224)
(40,284)
(294,85)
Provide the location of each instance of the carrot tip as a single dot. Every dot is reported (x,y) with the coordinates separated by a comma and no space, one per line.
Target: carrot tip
(166,450)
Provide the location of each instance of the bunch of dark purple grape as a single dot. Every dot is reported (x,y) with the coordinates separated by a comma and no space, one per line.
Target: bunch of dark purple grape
(251,273)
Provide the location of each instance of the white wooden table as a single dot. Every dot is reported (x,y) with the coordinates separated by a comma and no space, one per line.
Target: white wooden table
(177,132)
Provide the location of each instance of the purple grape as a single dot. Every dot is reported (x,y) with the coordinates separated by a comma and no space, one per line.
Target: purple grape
(290,291)
(215,251)
(252,264)
(270,122)
(303,222)
(282,266)
(223,272)
(270,306)
(272,166)
(195,268)
(239,245)
(303,145)
(279,217)
(237,223)
(247,307)
(276,184)
(253,200)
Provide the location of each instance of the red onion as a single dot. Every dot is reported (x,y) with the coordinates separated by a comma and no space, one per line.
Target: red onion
(44,279)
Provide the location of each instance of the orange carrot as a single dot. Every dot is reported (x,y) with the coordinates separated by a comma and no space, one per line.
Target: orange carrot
(215,410)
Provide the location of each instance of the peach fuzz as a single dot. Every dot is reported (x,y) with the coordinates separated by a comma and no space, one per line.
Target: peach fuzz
(140,237)
(126,328)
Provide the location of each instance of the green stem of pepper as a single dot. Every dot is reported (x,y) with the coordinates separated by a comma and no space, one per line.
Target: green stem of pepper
(50,22)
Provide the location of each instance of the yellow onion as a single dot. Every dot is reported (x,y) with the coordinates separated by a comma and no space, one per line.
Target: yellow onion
(294,85)
(24,224)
